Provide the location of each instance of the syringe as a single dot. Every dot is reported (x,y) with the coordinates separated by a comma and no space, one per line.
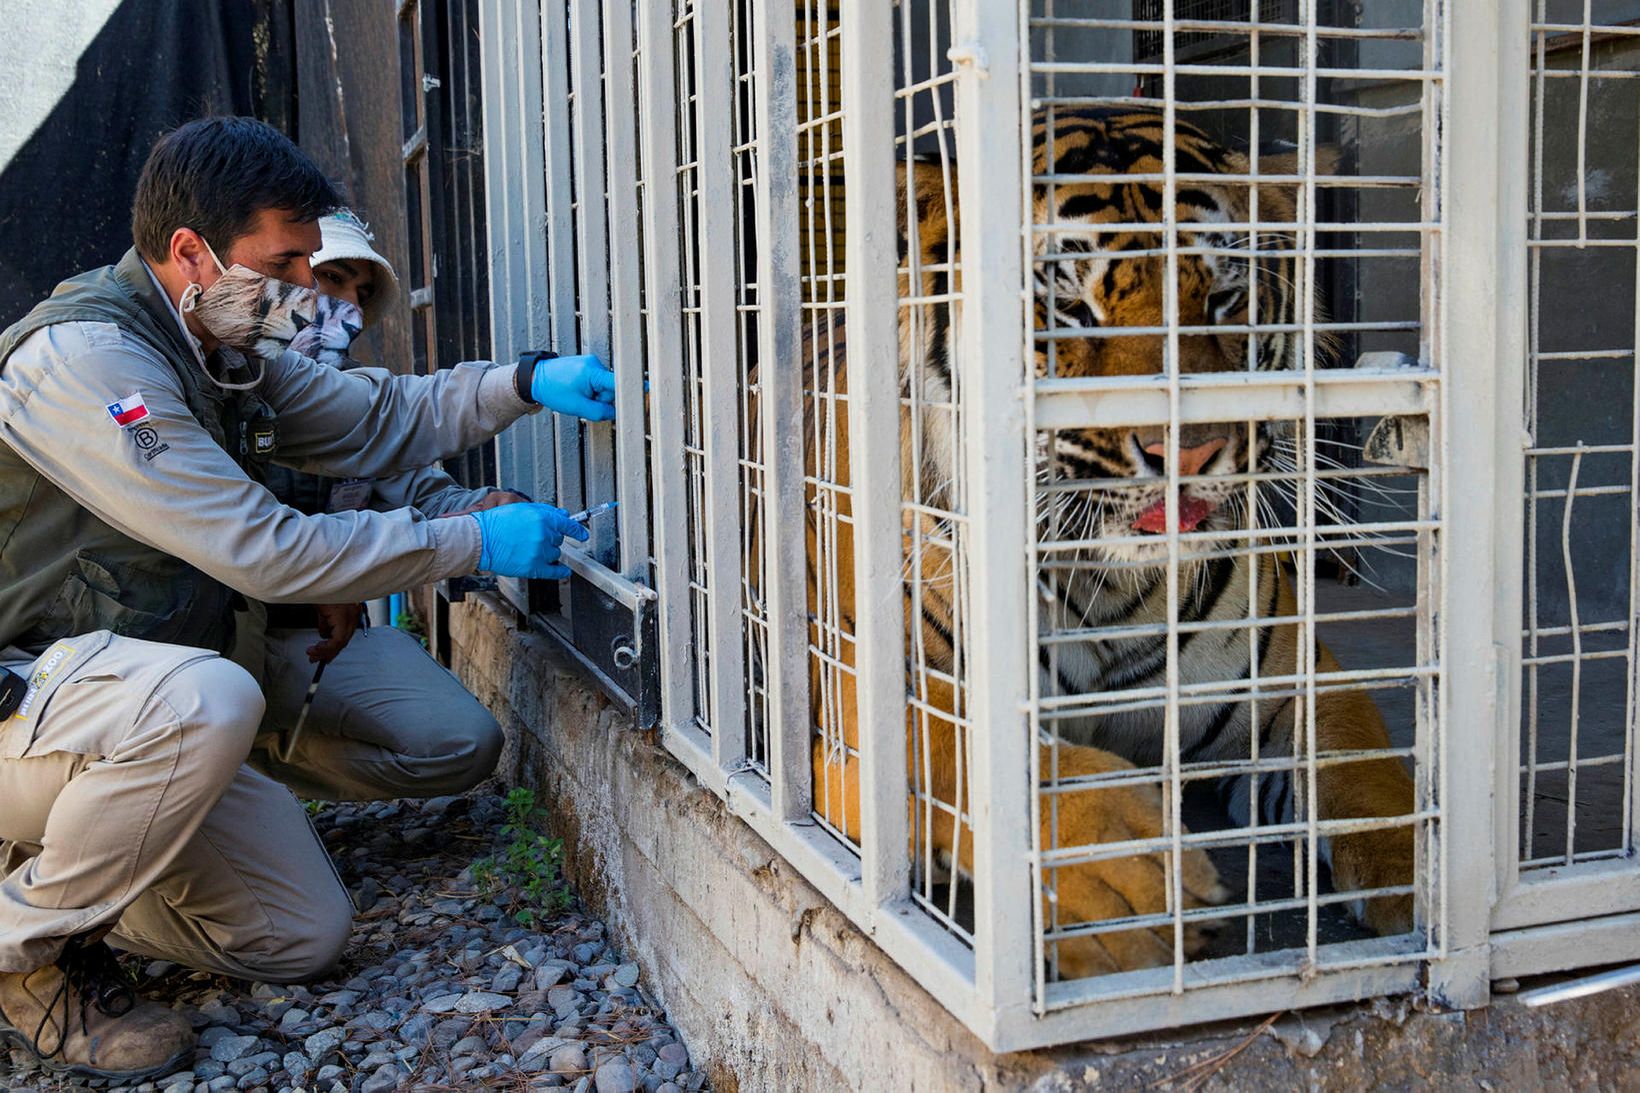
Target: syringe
(596,510)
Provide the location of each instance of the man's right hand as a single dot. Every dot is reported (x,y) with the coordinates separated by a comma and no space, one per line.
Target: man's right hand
(522,540)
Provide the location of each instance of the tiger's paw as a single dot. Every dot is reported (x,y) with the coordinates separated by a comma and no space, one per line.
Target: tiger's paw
(1370,860)
(1117,888)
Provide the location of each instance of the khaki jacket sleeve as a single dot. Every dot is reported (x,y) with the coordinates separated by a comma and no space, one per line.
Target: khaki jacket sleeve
(368,422)
(429,490)
(166,483)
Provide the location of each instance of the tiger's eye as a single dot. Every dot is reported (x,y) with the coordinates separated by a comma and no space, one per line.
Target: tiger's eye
(1223,302)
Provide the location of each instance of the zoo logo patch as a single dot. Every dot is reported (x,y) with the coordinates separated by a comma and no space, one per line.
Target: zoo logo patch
(56,658)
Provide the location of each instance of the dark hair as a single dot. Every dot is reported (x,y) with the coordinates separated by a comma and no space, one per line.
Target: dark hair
(214,175)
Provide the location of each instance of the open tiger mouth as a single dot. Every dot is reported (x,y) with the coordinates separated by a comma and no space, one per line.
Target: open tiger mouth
(1192,511)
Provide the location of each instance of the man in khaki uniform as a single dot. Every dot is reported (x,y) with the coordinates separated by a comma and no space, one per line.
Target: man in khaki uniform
(131,403)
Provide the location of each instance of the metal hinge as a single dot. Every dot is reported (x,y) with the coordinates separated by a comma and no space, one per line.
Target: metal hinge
(970,55)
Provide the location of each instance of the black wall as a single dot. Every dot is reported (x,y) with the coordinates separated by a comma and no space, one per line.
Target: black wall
(65,199)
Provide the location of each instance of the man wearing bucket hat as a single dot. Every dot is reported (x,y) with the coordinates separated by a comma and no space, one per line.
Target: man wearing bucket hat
(386,720)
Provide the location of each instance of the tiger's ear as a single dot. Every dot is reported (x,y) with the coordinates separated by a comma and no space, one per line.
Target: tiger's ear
(931,195)
(1279,200)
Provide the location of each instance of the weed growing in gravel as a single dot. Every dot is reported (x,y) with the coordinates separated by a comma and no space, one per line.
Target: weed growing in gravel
(410,624)
(529,870)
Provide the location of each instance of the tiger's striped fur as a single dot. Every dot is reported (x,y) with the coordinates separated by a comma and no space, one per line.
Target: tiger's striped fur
(1108,277)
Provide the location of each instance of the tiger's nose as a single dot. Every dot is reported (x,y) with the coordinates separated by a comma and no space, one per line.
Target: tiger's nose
(1191,460)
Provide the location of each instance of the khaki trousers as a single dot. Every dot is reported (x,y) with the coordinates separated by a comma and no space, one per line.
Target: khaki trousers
(387,721)
(126,798)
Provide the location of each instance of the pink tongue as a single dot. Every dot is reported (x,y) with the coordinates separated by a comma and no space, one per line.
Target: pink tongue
(1192,511)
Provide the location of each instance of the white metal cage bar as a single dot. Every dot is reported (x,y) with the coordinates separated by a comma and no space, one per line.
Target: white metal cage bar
(874,434)
(780,402)
(662,269)
(626,341)
(987,49)
(713,87)
(558,437)
(1483,196)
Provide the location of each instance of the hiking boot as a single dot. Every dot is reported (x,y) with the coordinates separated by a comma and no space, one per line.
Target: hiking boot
(80,1016)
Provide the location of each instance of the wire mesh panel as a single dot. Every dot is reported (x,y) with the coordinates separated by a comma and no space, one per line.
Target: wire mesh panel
(1579,636)
(630,455)
(821,116)
(754,616)
(692,378)
(1236,482)
(935,505)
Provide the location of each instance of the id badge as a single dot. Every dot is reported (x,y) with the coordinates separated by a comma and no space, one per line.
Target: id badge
(348,495)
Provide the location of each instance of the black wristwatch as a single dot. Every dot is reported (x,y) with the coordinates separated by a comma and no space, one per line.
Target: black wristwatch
(524,375)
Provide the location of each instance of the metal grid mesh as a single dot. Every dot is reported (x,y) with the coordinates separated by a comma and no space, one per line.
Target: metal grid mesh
(572,451)
(1208,536)
(694,384)
(754,615)
(934,512)
(1578,652)
(820,118)
(648,573)
(1195,40)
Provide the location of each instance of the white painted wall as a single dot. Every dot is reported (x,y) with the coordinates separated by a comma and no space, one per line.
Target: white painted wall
(40,46)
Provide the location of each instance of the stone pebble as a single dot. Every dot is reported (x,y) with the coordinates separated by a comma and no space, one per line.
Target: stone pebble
(440,987)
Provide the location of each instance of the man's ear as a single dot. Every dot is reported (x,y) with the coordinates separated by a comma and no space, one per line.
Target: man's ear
(190,256)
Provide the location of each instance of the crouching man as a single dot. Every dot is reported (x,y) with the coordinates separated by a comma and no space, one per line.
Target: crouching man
(131,403)
(387,720)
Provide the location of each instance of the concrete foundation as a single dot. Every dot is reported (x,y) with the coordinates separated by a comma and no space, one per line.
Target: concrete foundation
(774,989)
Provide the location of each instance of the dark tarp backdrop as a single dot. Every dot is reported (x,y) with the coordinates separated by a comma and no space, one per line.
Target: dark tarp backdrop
(65,196)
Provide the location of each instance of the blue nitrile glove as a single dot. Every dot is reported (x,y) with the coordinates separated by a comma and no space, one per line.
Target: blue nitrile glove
(522,540)
(575,385)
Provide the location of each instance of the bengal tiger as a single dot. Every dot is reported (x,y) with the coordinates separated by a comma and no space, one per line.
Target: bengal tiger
(1113,288)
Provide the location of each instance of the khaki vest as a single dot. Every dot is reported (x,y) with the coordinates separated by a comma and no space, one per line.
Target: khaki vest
(63,571)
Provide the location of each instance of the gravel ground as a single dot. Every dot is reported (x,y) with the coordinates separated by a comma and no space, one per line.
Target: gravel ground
(441,988)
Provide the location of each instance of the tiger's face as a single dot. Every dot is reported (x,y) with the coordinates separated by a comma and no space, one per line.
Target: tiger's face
(1101,276)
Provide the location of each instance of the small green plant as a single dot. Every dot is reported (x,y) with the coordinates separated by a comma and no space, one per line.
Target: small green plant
(528,871)
(410,624)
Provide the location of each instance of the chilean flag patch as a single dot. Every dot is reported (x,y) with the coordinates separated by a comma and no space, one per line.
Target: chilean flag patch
(128,411)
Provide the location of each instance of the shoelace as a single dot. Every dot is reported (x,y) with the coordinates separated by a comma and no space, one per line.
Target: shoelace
(91,971)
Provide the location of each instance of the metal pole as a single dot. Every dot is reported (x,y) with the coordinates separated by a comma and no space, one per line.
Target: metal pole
(714,175)
(872,321)
(992,375)
(780,412)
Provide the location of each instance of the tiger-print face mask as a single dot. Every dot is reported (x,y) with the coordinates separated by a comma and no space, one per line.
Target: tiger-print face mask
(336,323)
(250,312)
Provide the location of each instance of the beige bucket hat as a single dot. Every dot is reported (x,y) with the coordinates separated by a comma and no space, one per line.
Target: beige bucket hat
(345,236)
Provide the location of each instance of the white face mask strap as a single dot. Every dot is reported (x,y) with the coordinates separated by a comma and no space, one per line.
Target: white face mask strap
(220,268)
(262,370)
(190,295)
